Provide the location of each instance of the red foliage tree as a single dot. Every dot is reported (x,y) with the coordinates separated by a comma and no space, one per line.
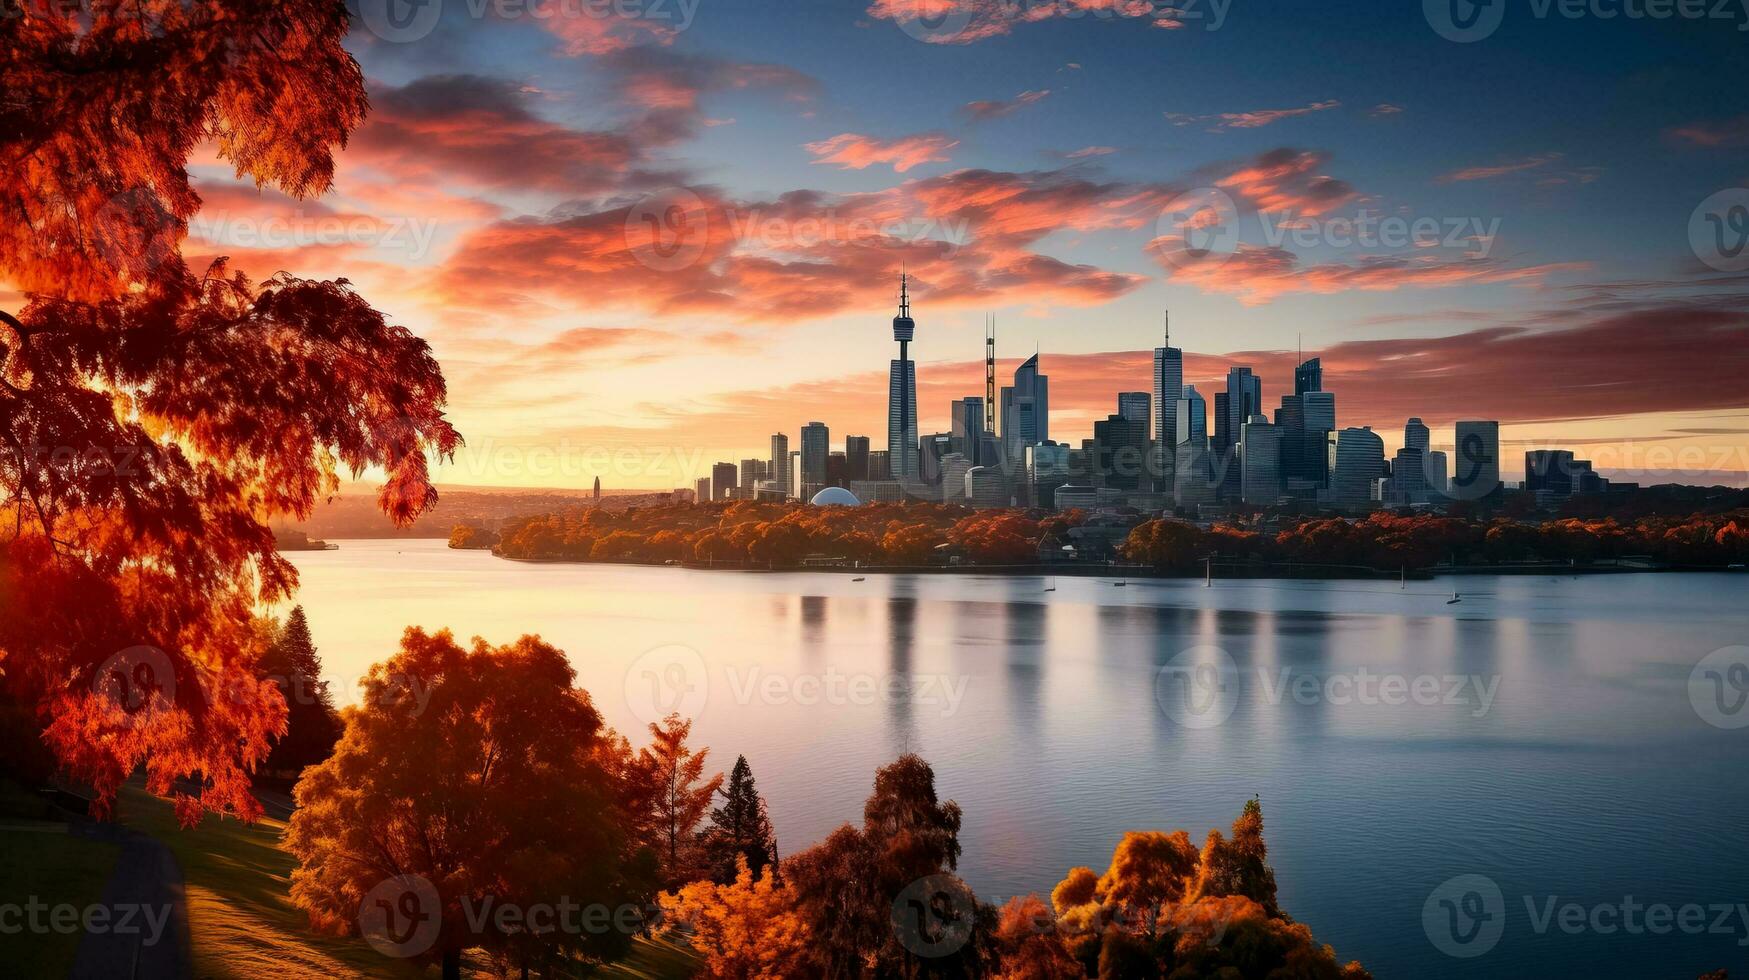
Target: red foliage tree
(152,420)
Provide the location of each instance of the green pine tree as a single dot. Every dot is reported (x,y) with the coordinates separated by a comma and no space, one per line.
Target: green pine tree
(313,726)
(740,827)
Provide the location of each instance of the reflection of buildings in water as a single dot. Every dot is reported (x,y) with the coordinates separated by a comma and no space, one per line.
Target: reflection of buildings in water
(1024,626)
(901,639)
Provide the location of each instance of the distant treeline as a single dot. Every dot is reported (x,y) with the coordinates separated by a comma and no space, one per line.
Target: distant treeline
(782,535)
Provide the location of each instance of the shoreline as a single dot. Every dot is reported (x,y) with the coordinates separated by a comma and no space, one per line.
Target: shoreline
(1229,571)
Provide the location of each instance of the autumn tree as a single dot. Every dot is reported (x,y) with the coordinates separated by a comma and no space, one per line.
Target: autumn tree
(312,724)
(871,894)
(1032,946)
(740,832)
(682,794)
(152,420)
(1149,872)
(475,772)
(747,929)
(1239,866)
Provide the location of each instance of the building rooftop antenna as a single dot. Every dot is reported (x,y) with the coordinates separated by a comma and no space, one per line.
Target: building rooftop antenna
(990,373)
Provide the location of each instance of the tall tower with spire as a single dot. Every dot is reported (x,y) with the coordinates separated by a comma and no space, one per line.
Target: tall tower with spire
(902,394)
(1168,385)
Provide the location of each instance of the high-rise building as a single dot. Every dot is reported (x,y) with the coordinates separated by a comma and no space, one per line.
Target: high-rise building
(986,487)
(1192,479)
(1438,478)
(1047,468)
(780,462)
(702,489)
(723,483)
(879,468)
(752,471)
(856,457)
(597,494)
(954,467)
(902,393)
(1121,451)
(1168,383)
(1309,376)
(1358,461)
(1416,436)
(968,427)
(1476,468)
(1190,418)
(1550,471)
(1320,409)
(931,450)
(1244,399)
(1409,482)
(1026,409)
(1134,405)
(1260,446)
(816,448)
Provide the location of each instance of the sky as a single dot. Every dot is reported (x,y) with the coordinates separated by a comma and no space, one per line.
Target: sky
(644,235)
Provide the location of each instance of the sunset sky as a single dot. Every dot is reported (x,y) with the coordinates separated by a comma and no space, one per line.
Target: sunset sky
(1021,167)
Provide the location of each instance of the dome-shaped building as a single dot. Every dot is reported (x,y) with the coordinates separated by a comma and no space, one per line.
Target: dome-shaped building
(835,497)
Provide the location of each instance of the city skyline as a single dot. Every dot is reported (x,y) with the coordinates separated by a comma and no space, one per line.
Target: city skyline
(493,202)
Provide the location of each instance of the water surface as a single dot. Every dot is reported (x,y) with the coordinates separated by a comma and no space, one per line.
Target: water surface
(1587,777)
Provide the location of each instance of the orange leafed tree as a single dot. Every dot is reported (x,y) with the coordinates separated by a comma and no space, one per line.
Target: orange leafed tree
(151,419)
(478,771)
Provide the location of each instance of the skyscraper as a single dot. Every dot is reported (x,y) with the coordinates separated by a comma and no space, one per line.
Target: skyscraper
(1168,382)
(1476,468)
(1359,462)
(1416,436)
(902,394)
(1309,376)
(1026,409)
(1134,405)
(780,462)
(856,457)
(1244,399)
(1190,418)
(1260,461)
(598,491)
(702,489)
(968,427)
(1120,444)
(816,447)
(723,481)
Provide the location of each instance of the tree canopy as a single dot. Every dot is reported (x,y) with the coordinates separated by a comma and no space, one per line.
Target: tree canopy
(152,420)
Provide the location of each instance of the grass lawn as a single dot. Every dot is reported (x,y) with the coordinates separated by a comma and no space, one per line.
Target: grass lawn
(40,860)
(242,923)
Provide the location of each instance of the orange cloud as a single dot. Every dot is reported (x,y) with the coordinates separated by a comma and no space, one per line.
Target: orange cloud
(852,151)
(1250,120)
(1498,170)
